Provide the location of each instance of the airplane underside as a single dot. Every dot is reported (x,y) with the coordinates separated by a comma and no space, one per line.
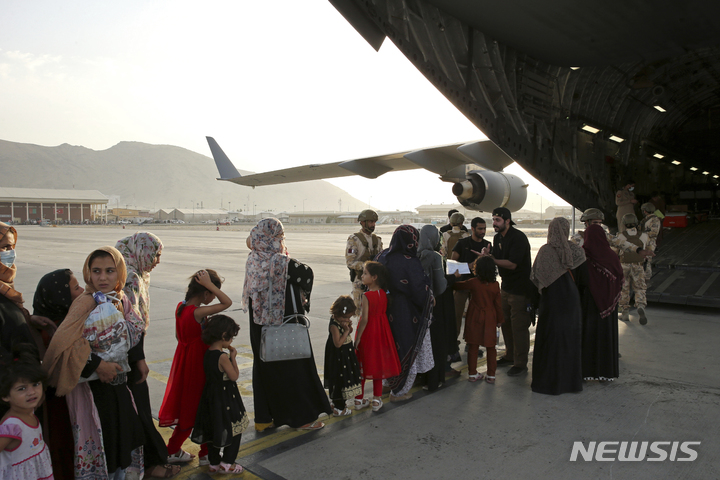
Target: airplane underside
(507,73)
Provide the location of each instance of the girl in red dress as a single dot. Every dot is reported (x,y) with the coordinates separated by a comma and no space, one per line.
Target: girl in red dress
(187,376)
(483,317)
(374,343)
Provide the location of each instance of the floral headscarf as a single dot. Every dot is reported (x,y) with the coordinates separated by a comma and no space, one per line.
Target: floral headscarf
(266,273)
(7,274)
(556,257)
(139,251)
(404,240)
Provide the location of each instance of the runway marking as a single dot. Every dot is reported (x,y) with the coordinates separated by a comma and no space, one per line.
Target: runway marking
(267,441)
(707,284)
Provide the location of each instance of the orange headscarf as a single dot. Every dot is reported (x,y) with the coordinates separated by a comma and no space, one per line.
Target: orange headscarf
(69,350)
(7,274)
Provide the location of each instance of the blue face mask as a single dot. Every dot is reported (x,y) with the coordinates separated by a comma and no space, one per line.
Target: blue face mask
(7,258)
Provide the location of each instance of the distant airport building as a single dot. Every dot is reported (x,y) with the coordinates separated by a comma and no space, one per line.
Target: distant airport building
(194,215)
(115,215)
(438,213)
(35,205)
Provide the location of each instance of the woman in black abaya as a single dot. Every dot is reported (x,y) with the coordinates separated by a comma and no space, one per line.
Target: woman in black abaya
(557,358)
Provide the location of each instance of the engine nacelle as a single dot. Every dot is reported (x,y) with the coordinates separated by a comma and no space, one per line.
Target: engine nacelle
(485,190)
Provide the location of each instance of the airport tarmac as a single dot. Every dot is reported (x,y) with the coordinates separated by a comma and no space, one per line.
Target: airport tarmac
(668,388)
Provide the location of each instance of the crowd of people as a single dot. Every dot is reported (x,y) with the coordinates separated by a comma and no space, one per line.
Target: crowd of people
(78,361)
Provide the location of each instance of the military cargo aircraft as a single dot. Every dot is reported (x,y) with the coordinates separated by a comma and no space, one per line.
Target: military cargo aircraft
(474,169)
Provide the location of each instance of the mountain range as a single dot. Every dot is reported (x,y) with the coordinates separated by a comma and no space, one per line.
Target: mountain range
(144,176)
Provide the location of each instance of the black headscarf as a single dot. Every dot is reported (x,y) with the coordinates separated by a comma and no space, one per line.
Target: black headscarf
(52,296)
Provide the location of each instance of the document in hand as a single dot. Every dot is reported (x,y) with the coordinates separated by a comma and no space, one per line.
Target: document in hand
(452,265)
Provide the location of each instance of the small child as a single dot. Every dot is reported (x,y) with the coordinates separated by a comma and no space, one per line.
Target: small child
(374,342)
(342,370)
(483,317)
(187,377)
(23,453)
(221,416)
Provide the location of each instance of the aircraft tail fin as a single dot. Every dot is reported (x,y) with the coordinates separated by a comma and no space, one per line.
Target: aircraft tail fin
(225,167)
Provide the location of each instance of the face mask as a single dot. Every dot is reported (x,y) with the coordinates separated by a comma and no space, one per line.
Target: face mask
(7,258)
(632,232)
(631,189)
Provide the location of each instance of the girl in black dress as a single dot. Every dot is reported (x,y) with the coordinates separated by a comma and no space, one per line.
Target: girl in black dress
(342,370)
(221,416)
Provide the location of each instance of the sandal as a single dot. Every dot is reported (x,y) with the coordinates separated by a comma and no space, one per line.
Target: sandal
(490,380)
(226,468)
(316,425)
(377,404)
(181,456)
(167,471)
(204,461)
(341,413)
(476,377)
(360,404)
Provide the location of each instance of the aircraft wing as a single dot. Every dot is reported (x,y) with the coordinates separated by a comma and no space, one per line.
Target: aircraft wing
(448,161)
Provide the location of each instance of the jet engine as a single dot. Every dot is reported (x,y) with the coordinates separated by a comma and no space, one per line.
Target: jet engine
(484,191)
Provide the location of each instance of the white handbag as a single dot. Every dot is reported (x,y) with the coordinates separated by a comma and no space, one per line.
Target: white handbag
(287,341)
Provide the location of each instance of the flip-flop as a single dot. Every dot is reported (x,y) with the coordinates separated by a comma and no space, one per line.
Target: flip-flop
(490,380)
(316,425)
(227,469)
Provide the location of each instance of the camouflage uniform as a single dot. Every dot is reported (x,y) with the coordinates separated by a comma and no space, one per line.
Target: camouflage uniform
(633,272)
(361,247)
(650,226)
(618,245)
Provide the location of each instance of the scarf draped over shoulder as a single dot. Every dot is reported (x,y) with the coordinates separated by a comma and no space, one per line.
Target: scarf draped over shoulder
(605,270)
(557,256)
(266,273)
(7,274)
(69,351)
(139,251)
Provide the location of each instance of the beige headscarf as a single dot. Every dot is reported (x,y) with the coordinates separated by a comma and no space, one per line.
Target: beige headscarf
(69,350)
(7,274)
(557,256)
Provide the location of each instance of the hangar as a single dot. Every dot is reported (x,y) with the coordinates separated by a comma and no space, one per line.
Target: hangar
(34,205)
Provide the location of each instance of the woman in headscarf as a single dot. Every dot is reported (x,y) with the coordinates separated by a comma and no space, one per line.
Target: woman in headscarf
(599,295)
(54,294)
(87,361)
(14,317)
(441,328)
(556,357)
(141,253)
(288,392)
(409,310)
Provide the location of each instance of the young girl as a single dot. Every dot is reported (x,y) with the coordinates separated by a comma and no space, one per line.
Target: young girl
(23,453)
(342,370)
(187,377)
(374,342)
(483,317)
(221,417)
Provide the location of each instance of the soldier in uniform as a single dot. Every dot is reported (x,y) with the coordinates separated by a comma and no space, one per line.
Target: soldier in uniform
(595,216)
(650,225)
(451,237)
(625,201)
(361,247)
(632,265)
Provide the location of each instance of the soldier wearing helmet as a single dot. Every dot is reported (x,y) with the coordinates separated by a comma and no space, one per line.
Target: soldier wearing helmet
(651,225)
(632,265)
(361,247)
(595,216)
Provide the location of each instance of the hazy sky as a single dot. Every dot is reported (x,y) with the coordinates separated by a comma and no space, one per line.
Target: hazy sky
(278,84)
